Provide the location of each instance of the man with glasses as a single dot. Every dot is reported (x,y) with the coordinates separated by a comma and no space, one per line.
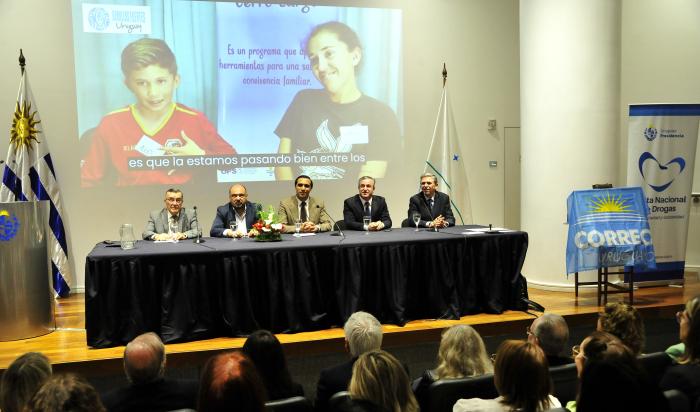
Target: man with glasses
(238,213)
(551,333)
(173,222)
(311,212)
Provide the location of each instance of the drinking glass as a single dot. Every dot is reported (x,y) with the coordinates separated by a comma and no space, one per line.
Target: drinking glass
(297,227)
(416,219)
(365,223)
(234,226)
(172,226)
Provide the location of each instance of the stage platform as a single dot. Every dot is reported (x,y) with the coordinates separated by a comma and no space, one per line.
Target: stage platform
(68,351)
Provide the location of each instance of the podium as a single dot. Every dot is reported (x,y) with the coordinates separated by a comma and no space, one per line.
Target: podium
(26,296)
(608,228)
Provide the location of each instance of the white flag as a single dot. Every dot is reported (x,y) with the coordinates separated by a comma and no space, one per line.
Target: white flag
(445,161)
(30,176)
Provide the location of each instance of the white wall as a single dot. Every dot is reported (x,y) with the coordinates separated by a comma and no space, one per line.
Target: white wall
(477,39)
(661,64)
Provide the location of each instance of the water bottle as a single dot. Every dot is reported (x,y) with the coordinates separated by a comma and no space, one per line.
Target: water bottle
(126,236)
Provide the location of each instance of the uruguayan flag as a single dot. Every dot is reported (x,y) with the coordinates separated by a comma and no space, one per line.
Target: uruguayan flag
(29,176)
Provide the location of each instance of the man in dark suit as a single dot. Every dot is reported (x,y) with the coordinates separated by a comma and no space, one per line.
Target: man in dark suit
(363,333)
(366,204)
(433,206)
(238,211)
(184,221)
(311,212)
(148,389)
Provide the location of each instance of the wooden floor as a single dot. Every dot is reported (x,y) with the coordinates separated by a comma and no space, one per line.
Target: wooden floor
(66,347)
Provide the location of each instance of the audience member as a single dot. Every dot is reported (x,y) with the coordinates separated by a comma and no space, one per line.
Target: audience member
(551,333)
(686,375)
(625,322)
(65,393)
(521,375)
(461,354)
(363,333)
(231,382)
(612,379)
(22,379)
(148,389)
(263,348)
(380,383)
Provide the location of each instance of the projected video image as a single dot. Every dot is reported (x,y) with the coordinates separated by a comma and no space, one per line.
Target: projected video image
(176,91)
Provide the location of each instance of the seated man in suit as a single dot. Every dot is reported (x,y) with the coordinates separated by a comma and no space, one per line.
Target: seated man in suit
(366,204)
(363,333)
(237,211)
(148,388)
(433,206)
(184,222)
(310,211)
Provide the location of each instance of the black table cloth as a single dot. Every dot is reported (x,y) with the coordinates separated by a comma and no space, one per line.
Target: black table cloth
(187,291)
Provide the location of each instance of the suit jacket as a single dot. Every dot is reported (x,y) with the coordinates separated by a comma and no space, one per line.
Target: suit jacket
(161,395)
(158,223)
(441,206)
(225,214)
(333,380)
(354,211)
(289,212)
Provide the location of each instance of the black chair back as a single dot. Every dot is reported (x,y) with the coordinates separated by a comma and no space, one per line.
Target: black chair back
(293,404)
(337,399)
(677,401)
(655,365)
(443,394)
(565,380)
(406,223)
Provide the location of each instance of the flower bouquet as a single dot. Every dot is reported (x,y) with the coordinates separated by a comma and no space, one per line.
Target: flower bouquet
(267,228)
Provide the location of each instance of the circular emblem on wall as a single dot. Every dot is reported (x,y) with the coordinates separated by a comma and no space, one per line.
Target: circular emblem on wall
(650,133)
(98,18)
(8,225)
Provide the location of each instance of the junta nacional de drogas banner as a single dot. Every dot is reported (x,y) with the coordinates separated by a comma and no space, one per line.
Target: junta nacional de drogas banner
(661,159)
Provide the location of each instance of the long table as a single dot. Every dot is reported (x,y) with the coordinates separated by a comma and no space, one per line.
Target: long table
(186,291)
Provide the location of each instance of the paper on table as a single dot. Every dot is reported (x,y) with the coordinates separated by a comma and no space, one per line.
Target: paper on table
(166,241)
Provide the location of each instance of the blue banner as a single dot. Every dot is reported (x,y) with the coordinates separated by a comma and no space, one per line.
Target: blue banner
(608,227)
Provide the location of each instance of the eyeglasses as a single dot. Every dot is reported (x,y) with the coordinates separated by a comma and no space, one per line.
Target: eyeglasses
(174,200)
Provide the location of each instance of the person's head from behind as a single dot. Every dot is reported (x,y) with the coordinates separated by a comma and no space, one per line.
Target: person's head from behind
(378,377)
(335,53)
(462,353)
(22,379)
(66,393)
(230,381)
(150,73)
(363,333)
(689,330)
(521,375)
(599,346)
(144,359)
(551,333)
(625,322)
(266,352)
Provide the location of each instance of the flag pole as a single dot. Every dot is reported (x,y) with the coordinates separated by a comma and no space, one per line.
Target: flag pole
(21,61)
(444,74)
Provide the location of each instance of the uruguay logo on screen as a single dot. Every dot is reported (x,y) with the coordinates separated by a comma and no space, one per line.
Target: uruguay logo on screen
(98,18)
(8,225)
(650,133)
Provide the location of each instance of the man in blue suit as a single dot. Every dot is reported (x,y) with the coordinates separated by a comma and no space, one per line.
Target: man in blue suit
(365,203)
(433,206)
(239,210)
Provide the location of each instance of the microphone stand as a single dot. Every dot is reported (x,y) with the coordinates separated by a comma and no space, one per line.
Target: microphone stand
(340,231)
(198,239)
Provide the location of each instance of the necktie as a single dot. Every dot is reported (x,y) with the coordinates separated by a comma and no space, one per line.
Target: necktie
(430,202)
(367,211)
(302,213)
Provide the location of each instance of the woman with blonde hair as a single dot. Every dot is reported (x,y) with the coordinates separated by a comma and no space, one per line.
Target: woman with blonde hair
(380,383)
(625,322)
(686,375)
(521,375)
(462,354)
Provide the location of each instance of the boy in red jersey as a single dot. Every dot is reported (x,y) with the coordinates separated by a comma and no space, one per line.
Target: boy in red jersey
(154,125)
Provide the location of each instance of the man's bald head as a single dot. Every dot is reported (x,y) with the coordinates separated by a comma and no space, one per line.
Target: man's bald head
(144,359)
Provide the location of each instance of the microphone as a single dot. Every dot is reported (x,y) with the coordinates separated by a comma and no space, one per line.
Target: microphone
(340,231)
(198,239)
